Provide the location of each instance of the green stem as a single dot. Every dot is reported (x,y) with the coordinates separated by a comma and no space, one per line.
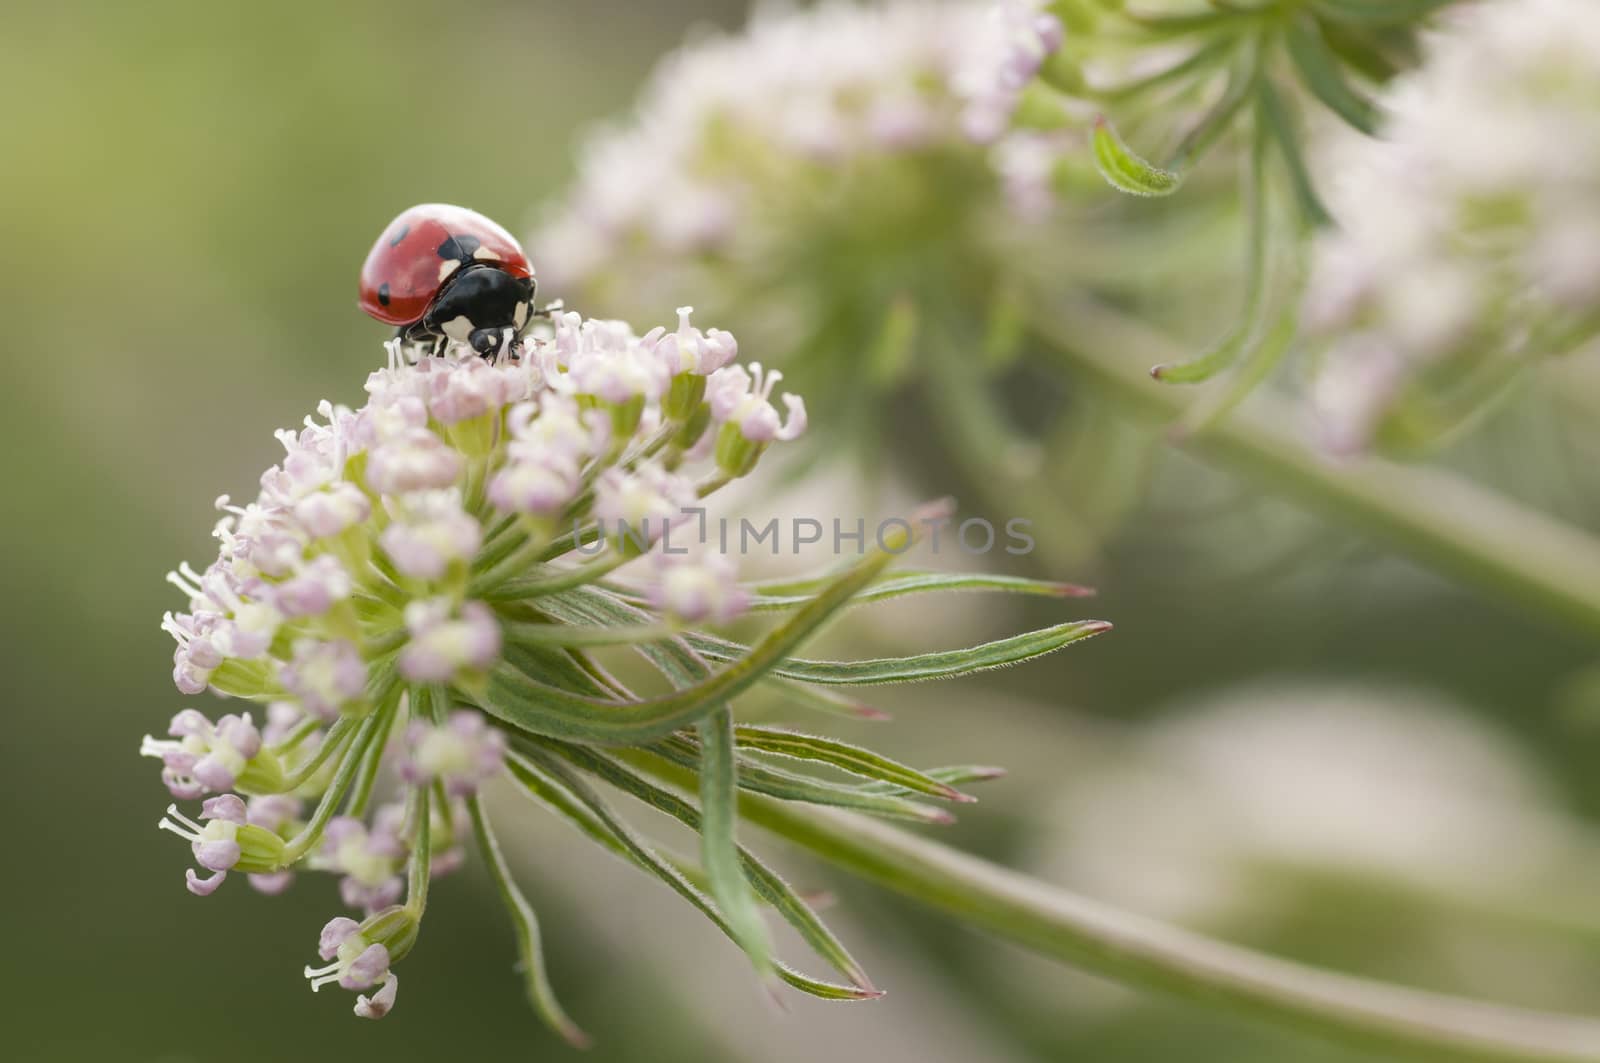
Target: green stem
(1149,955)
(311,834)
(719,846)
(1436,518)
(507,587)
(529,940)
(536,634)
(332,743)
(419,870)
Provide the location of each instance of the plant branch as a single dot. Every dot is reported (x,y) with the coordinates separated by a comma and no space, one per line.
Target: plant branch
(1438,519)
(1411,1023)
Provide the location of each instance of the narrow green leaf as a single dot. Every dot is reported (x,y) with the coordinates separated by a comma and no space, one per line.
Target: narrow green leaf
(576,635)
(556,664)
(845,757)
(552,784)
(526,924)
(953,775)
(768,884)
(825,701)
(937,665)
(719,848)
(788,786)
(1266,355)
(1244,331)
(1126,171)
(1216,121)
(1201,62)
(1319,71)
(1379,12)
(679,663)
(1279,123)
(789,595)
(540,708)
(1183,24)
(903,581)
(554,799)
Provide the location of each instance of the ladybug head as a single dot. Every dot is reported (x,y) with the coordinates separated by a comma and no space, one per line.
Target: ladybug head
(482,306)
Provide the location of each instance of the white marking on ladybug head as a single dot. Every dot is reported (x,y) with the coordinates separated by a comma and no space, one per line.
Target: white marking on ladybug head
(519,316)
(458,328)
(486,255)
(447,267)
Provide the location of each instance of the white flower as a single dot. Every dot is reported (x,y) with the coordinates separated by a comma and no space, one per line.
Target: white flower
(413,459)
(644,503)
(551,440)
(324,676)
(368,859)
(744,399)
(357,958)
(206,758)
(604,359)
(1469,230)
(327,513)
(446,641)
(689,350)
(459,390)
(822,89)
(312,589)
(1016,40)
(464,753)
(696,589)
(430,532)
(226,841)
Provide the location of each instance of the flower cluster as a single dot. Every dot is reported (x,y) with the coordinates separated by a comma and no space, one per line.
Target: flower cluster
(1470,236)
(738,131)
(410,599)
(417,599)
(1020,37)
(813,179)
(369,579)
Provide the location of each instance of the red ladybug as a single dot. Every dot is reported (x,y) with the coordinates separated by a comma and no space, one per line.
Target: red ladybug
(443,274)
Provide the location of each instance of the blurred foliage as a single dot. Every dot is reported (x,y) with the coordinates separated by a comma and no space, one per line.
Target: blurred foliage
(186,192)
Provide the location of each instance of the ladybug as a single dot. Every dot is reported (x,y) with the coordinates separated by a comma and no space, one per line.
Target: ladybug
(442,273)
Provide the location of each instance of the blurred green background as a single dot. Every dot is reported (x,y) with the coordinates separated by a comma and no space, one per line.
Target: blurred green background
(186,192)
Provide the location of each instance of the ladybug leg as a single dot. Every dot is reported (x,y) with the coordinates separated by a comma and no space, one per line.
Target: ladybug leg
(421,339)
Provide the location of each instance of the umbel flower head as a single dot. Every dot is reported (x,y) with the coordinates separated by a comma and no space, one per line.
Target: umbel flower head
(830,181)
(415,599)
(818,177)
(844,98)
(1470,246)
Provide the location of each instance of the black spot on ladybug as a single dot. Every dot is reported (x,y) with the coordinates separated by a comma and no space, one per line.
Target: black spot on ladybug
(405,230)
(459,248)
(383,293)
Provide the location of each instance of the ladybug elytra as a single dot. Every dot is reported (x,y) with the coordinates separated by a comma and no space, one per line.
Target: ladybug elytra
(442,273)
